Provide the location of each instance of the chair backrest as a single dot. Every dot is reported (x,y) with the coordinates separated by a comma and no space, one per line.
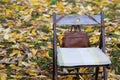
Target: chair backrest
(77,19)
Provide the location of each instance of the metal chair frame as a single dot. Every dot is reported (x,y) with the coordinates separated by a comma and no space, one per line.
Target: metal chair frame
(61,20)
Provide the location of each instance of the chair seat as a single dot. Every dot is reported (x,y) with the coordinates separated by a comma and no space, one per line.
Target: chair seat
(81,56)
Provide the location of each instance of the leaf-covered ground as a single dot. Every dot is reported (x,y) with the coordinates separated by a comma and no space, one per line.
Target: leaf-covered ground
(26,35)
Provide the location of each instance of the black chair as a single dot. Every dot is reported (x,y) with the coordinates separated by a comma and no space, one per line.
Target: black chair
(63,58)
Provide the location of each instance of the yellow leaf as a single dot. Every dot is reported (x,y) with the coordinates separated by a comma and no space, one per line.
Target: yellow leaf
(19,76)
(101,69)
(19,55)
(3,71)
(60,7)
(27,18)
(46,54)
(31,72)
(70,78)
(59,78)
(2,66)
(14,34)
(43,54)
(46,15)
(110,29)
(48,2)
(89,29)
(50,45)
(34,2)
(102,3)
(94,39)
(5,0)
(34,32)
(45,37)
(20,37)
(10,24)
(116,1)
(114,40)
(60,36)
(13,66)
(77,8)
(39,18)
(3,78)
(8,12)
(17,8)
(83,69)
(15,52)
(34,52)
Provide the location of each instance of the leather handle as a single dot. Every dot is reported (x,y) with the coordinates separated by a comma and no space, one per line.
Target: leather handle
(74,28)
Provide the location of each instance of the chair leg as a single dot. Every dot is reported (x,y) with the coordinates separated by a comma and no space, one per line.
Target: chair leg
(105,73)
(77,74)
(55,72)
(96,73)
(55,76)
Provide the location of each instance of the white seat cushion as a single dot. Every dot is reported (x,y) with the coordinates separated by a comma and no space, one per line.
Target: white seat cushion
(81,56)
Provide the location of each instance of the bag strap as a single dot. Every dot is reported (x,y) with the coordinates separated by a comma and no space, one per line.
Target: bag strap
(74,28)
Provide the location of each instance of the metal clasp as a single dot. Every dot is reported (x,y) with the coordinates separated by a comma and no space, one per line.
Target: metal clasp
(77,19)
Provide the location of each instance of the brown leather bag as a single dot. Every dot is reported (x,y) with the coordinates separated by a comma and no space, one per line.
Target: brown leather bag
(74,39)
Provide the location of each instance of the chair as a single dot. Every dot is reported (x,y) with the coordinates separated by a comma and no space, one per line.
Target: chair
(64,58)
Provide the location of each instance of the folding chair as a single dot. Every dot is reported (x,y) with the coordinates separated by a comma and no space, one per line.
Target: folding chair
(80,57)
